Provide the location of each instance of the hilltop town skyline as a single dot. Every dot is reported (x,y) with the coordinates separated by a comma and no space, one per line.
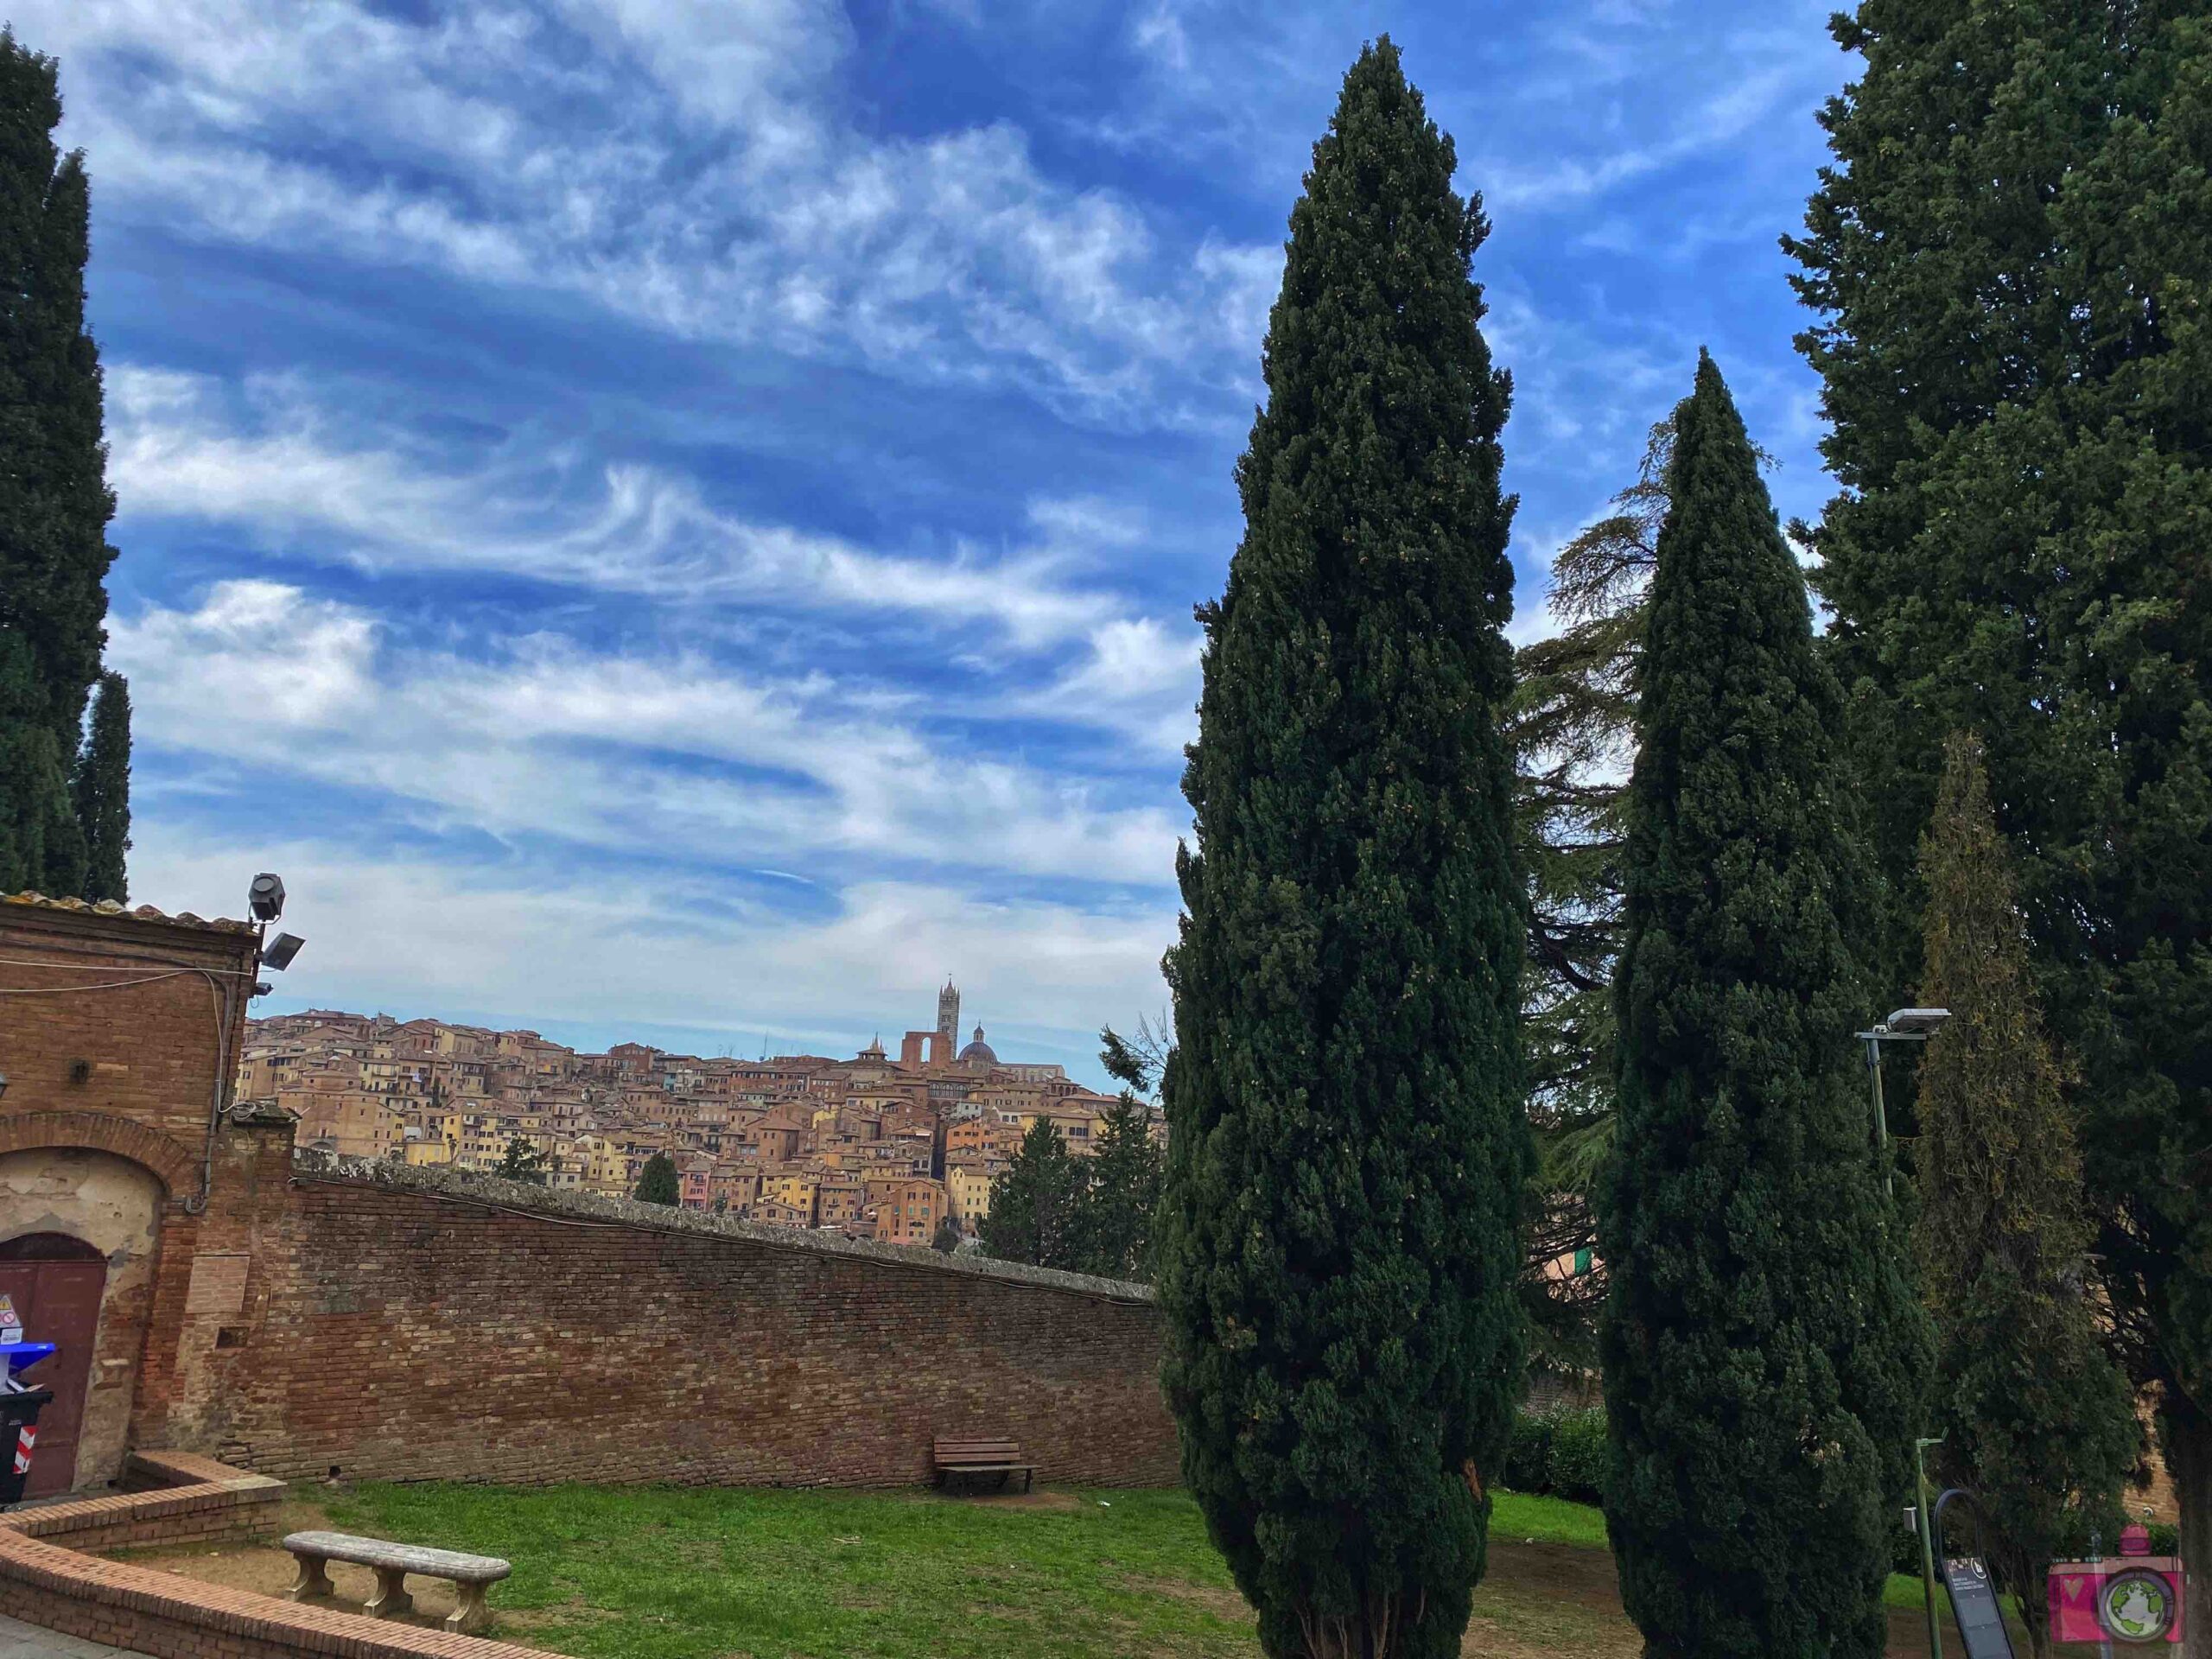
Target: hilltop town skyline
(889,1143)
(1076,1052)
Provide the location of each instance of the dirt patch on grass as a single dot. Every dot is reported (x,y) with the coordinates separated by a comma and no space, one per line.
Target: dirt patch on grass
(1044,1500)
(1222,1604)
(265,1567)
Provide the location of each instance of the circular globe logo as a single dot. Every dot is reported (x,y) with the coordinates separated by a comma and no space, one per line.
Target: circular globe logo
(2136,1606)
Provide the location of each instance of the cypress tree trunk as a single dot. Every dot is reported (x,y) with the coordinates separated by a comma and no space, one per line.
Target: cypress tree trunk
(101,791)
(1340,1233)
(2033,1415)
(2010,262)
(2185,1434)
(1760,1340)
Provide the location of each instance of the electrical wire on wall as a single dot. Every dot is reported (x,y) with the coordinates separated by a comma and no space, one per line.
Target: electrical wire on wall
(221,988)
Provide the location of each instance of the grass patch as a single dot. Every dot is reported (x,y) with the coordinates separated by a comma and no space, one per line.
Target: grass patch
(1522,1519)
(689,1574)
(685,1573)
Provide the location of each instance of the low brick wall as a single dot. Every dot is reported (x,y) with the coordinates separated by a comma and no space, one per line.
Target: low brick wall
(46,1579)
(416,1324)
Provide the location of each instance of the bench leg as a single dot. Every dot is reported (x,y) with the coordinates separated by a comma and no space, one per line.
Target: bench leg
(472,1615)
(391,1600)
(311,1580)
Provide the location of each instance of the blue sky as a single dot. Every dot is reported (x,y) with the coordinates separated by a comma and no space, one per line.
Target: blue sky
(679,518)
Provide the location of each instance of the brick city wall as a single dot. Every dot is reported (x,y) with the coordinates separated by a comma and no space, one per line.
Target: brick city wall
(410,1324)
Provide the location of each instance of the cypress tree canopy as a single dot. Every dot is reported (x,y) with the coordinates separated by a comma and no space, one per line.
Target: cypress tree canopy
(658,1183)
(1760,1341)
(2010,261)
(1339,1235)
(2033,1415)
(38,830)
(54,503)
(1036,1204)
(101,791)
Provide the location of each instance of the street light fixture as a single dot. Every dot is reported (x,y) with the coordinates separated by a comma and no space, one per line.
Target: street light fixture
(265,897)
(1903,1025)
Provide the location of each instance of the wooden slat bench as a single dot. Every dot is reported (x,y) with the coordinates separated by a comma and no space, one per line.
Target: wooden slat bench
(976,1458)
(471,1575)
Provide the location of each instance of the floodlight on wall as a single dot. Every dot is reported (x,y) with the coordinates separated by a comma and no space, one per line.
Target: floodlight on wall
(276,955)
(3,1085)
(266,898)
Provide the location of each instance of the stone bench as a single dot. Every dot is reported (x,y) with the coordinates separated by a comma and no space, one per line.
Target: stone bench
(471,1575)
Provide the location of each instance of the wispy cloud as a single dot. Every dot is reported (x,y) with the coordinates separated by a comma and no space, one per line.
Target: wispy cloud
(538,737)
(592,955)
(276,461)
(513,145)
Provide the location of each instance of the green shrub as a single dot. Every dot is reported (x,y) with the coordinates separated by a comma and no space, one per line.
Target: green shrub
(1577,1460)
(1558,1452)
(1528,1452)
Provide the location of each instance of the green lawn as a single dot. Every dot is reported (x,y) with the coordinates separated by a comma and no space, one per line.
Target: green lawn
(659,1572)
(664,1573)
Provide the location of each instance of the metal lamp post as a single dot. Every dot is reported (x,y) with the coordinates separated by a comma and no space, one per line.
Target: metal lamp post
(1904,1026)
(1908,1025)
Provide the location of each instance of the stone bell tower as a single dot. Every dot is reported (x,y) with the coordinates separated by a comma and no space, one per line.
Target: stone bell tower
(947,1023)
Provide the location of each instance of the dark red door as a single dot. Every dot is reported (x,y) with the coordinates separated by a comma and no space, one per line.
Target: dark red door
(55,1283)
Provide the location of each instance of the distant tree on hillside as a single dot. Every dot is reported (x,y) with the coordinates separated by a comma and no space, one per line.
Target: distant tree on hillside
(1115,1209)
(523,1161)
(948,1236)
(1034,1202)
(658,1183)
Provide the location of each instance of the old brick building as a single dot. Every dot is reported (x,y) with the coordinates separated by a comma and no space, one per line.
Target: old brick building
(127,1191)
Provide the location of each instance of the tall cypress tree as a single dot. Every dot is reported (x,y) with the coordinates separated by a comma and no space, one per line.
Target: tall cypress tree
(1349,1148)
(1760,1337)
(101,791)
(2010,259)
(54,502)
(2034,1416)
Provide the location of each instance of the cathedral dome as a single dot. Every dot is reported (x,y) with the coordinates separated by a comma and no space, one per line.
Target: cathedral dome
(978,1052)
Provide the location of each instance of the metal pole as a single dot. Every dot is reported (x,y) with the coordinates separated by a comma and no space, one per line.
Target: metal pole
(1926,1516)
(1881,1113)
(2096,1558)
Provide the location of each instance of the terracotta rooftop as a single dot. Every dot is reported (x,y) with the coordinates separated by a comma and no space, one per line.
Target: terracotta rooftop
(139,913)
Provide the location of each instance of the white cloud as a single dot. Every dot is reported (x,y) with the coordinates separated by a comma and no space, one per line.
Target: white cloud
(536,737)
(282,467)
(754,213)
(619,953)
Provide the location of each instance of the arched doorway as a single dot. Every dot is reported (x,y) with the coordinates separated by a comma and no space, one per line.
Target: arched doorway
(55,1283)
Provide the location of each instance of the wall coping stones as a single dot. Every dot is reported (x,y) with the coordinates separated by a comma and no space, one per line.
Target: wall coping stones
(572,1208)
(176,1617)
